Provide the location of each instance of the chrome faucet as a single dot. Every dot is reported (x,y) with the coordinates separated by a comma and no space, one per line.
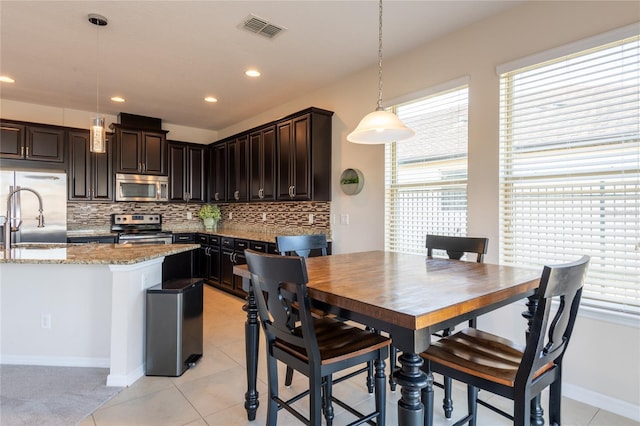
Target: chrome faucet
(7,220)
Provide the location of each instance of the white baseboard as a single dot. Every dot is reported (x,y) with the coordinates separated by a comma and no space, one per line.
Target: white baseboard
(56,361)
(122,380)
(605,402)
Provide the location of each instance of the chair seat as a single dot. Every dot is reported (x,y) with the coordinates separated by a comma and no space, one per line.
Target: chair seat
(480,354)
(336,341)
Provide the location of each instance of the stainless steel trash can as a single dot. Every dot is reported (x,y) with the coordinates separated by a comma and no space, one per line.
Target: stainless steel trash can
(173,326)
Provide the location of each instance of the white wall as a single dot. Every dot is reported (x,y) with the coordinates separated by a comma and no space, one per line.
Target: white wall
(602,365)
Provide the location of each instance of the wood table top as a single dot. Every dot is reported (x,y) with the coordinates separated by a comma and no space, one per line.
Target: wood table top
(411,291)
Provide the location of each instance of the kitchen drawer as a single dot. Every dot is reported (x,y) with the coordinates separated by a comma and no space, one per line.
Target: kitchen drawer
(183,238)
(227,243)
(241,245)
(214,240)
(259,246)
(202,239)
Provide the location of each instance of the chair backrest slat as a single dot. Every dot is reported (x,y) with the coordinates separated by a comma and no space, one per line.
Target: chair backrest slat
(549,337)
(301,245)
(456,247)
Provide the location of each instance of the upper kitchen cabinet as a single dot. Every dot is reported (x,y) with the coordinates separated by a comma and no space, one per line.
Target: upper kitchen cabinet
(304,156)
(187,181)
(90,176)
(238,169)
(218,173)
(23,141)
(140,151)
(262,163)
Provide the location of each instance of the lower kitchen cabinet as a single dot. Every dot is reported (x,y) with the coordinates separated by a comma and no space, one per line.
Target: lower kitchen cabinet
(217,256)
(232,254)
(207,260)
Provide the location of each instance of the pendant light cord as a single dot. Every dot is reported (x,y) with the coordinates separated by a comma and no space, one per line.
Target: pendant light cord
(97,70)
(379,108)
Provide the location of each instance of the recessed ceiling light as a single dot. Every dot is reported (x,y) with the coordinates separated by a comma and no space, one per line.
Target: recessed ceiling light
(6,79)
(252,73)
(117,99)
(210,99)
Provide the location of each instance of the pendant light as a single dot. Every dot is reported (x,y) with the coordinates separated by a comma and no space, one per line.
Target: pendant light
(98,142)
(380,126)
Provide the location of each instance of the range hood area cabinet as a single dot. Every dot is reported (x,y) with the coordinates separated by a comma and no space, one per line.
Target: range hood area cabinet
(292,155)
(31,142)
(140,151)
(187,171)
(90,175)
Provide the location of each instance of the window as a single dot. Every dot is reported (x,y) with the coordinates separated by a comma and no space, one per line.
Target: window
(570,168)
(426,176)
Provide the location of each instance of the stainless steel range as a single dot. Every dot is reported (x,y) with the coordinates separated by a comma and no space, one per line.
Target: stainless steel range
(139,229)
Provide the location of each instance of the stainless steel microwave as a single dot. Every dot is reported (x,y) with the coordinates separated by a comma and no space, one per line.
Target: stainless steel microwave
(141,187)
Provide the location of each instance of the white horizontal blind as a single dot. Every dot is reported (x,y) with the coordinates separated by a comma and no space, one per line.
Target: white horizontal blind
(570,168)
(426,176)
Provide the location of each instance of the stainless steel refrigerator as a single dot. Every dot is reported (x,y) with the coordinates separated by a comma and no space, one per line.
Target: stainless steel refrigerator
(52,187)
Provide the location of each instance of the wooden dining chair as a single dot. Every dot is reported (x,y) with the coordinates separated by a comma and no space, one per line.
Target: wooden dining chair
(455,248)
(302,245)
(316,347)
(495,364)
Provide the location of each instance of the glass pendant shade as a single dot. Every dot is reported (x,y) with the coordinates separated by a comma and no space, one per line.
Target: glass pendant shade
(379,127)
(98,132)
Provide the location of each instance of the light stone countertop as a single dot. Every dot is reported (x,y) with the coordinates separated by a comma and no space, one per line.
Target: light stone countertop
(91,253)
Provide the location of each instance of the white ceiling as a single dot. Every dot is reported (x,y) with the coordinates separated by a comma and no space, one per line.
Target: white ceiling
(165,56)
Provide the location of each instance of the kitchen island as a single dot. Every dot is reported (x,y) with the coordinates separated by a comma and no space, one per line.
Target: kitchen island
(79,305)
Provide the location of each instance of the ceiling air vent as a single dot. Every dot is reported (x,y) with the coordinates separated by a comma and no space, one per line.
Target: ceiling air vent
(261,26)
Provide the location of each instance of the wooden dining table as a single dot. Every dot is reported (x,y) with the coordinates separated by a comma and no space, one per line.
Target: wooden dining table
(408,296)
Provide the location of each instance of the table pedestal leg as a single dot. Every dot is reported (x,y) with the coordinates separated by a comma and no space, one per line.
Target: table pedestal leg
(251,336)
(536,407)
(411,379)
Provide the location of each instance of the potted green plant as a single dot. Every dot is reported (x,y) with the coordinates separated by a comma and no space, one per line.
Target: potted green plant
(210,215)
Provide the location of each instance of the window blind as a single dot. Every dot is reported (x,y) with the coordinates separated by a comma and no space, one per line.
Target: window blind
(570,168)
(426,176)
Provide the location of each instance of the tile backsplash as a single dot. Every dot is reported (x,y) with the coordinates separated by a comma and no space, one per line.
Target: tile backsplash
(273,217)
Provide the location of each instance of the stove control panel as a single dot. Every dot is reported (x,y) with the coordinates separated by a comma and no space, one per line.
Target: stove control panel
(136,219)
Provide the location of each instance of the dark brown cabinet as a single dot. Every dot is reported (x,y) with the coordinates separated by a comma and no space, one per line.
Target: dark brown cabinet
(187,181)
(238,169)
(218,173)
(90,175)
(262,163)
(304,156)
(208,260)
(21,141)
(140,151)
(232,253)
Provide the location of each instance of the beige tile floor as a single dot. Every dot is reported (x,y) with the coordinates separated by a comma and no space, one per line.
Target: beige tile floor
(212,393)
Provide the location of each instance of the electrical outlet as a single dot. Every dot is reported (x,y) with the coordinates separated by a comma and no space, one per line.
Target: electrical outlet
(264,217)
(344,219)
(45,321)
(333,218)
(189,215)
(143,280)
(310,218)
(230,215)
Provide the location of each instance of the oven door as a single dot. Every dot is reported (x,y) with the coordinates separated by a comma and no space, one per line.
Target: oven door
(144,239)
